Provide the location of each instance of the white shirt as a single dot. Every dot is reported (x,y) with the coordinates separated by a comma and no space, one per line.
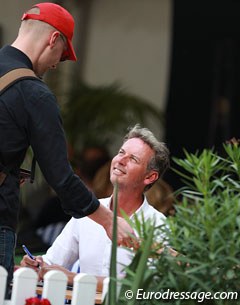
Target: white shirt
(85,240)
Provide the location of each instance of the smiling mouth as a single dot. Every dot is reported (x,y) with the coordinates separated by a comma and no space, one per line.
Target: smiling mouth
(118,171)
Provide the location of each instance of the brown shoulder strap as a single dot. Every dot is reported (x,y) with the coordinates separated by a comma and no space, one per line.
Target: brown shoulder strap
(5,81)
(13,75)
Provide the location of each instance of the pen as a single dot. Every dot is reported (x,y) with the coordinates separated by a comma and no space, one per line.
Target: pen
(25,249)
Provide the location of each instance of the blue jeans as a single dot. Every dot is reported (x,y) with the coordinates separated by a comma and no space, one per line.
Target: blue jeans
(7,250)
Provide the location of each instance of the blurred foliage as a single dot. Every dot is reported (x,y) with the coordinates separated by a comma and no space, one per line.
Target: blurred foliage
(98,114)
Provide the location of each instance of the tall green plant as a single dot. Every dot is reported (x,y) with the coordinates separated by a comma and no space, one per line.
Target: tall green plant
(112,295)
(205,230)
(138,275)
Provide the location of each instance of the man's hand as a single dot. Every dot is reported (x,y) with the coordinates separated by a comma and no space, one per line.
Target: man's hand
(70,275)
(125,234)
(32,263)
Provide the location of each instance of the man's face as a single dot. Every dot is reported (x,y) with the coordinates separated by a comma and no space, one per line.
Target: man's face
(129,166)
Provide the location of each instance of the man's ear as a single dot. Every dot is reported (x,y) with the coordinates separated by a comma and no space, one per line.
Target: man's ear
(151,177)
(53,38)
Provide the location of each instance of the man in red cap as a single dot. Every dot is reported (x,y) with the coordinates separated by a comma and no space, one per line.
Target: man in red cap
(29,116)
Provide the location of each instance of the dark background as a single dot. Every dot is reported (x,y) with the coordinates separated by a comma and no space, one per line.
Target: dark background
(203,104)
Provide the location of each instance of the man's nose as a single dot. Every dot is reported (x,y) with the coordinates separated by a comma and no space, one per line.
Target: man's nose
(123,159)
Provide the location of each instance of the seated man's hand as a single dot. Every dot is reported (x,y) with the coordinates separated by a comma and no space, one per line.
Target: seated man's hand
(70,275)
(32,263)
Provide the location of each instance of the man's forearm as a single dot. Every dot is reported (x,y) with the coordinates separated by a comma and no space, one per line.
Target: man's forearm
(103,216)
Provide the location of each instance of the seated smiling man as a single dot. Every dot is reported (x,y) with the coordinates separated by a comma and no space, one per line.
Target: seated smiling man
(140,162)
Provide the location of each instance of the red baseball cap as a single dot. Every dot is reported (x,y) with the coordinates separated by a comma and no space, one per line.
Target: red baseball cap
(60,19)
